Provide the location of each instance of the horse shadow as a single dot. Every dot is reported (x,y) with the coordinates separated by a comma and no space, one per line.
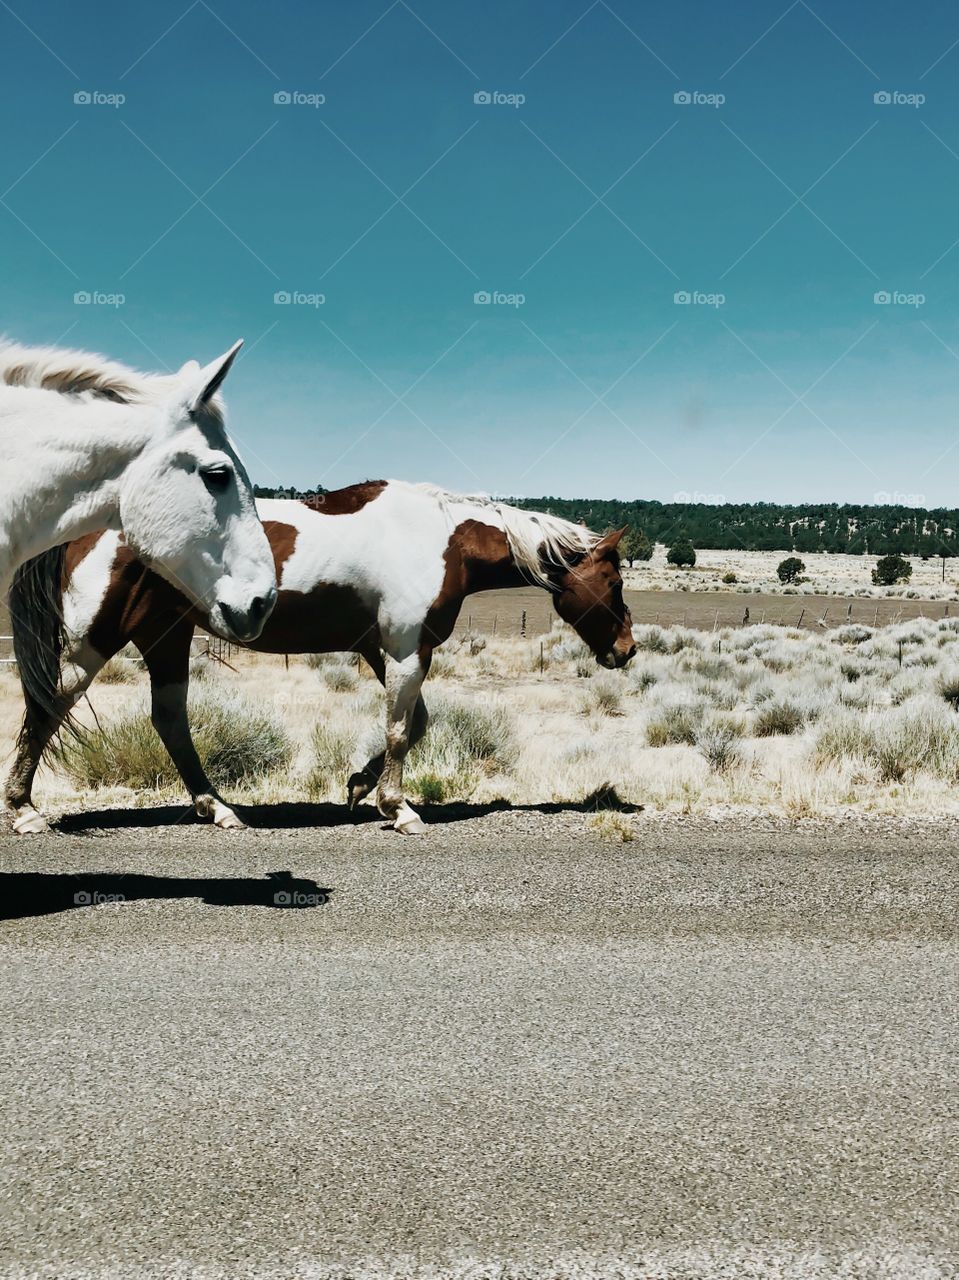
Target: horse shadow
(36,893)
(293,815)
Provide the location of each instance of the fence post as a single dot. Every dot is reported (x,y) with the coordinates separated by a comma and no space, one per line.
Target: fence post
(522,624)
(799,623)
(541,657)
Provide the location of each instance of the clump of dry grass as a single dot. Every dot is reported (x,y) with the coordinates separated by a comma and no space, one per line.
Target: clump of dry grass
(237,739)
(604,697)
(673,725)
(118,670)
(778,717)
(464,741)
(333,747)
(616,828)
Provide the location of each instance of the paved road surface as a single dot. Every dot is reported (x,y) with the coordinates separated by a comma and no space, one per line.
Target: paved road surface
(708,1052)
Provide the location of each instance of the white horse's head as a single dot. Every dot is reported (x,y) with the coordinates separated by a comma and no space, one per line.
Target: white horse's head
(187,508)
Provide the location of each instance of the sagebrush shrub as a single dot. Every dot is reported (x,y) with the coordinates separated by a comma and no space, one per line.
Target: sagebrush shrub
(777,718)
(237,740)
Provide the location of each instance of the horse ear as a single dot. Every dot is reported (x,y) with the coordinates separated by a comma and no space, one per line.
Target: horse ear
(611,541)
(205,383)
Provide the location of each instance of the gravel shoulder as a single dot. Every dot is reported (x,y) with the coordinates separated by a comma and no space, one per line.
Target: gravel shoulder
(725,1048)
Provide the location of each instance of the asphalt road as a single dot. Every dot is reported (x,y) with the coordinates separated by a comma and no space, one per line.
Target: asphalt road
(502,1050)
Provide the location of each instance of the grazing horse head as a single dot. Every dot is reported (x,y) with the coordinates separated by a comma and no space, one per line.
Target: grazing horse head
(186,506)
(588,594)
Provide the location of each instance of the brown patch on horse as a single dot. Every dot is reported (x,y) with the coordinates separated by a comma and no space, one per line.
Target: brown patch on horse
(77,551)
(331,618)
(477,558)
(344,502)
(142,608)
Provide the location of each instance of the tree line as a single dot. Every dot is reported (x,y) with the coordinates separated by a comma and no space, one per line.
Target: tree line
(851,528)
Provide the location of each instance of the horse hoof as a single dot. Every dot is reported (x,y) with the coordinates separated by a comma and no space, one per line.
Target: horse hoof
(230,822)
(414,826)
(30,824)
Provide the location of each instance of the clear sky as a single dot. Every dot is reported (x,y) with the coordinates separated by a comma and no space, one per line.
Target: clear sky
(599,198)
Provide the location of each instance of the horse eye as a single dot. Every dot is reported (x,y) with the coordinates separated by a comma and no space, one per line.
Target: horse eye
(216,479)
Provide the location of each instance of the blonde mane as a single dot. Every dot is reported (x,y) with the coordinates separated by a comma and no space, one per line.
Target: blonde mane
(534,537)
(73,373)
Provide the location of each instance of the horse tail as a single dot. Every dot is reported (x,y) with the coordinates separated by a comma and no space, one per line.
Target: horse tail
(39,630)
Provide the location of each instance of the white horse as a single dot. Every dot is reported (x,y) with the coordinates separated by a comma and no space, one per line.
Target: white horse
(88,444)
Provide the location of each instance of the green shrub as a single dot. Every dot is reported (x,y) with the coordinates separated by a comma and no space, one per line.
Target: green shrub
(681,554)
(634,545)
(790,569)
(729,578)
(890,570)
(237,740)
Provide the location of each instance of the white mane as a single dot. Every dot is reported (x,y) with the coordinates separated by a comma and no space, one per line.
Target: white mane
(533,536)
(74,373)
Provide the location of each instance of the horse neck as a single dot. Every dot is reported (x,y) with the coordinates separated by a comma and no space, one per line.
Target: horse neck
(67,463)
(488,563)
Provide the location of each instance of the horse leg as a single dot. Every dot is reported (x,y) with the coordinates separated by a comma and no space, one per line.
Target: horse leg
(404,679)
(36,733)
(168,662)
(366,779)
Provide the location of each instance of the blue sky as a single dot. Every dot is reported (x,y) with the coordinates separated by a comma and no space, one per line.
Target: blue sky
(782,211)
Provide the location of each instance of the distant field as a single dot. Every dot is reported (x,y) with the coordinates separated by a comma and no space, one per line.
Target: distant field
(503,610)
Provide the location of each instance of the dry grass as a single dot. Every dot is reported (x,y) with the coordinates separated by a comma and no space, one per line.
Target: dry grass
(758,718)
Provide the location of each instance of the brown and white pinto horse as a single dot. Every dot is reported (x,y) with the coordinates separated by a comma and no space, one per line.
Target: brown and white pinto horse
(380,569)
